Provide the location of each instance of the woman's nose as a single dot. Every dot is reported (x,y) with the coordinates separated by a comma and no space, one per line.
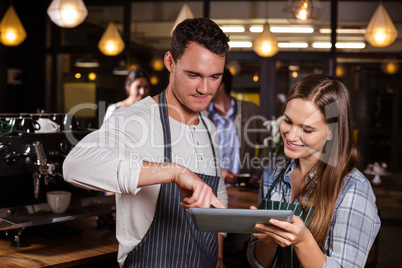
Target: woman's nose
(294,133)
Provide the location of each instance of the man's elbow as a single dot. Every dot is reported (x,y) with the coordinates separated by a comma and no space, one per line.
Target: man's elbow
(68,169)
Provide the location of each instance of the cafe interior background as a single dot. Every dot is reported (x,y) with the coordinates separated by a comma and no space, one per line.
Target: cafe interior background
(55,68)
(58,69)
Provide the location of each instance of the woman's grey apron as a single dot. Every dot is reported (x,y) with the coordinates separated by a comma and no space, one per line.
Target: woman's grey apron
(172,239)
(285,257)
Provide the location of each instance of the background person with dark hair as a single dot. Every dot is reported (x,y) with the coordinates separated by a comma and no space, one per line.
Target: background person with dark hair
(137,87)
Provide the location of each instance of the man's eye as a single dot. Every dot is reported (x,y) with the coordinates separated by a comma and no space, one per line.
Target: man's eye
(192,75)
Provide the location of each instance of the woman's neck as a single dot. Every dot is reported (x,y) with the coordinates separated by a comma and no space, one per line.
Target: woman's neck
(129,101)
(305,165)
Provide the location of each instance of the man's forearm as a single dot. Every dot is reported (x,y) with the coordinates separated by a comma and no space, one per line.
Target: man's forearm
(156,173)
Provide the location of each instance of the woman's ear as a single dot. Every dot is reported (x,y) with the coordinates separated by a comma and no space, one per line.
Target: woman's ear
(169,61)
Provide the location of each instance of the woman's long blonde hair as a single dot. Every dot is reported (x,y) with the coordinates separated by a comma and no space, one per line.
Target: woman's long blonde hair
(339,156)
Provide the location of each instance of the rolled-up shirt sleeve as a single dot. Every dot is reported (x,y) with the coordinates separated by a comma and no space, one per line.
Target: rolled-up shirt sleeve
(104,159)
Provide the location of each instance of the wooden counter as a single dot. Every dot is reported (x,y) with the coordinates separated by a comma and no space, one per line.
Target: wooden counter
(72,243)
(81,242)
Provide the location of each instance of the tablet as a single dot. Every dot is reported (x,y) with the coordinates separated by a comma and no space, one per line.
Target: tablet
(230,220)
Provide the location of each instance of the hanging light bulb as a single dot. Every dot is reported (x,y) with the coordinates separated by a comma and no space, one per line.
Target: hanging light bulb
(185,13)
(12,33)
(381,32)
(157,63)
(265,45)
(255,77)
(304,10)
(234,67)
(154,80)
(390,66)
(340,70)
(67,13)
(111,43)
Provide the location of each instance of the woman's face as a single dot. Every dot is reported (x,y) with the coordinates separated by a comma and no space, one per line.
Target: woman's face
(139,89)
(304,130)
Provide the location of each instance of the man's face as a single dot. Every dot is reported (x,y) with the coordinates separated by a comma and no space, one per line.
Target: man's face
(195,78)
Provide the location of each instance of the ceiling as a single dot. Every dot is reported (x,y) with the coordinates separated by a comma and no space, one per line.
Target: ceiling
(151,21)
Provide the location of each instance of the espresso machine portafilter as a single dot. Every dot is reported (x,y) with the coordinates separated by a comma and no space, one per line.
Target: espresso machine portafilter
(43,169)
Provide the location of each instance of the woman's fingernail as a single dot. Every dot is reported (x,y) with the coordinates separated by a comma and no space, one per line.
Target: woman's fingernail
(258,226)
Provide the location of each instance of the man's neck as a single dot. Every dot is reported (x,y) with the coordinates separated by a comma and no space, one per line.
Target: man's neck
(223,104)
(179,112)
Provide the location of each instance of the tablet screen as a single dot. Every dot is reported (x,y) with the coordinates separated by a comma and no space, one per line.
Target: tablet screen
(231,220)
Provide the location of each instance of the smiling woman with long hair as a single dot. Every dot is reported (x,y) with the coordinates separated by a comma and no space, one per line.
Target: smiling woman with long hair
(336,219)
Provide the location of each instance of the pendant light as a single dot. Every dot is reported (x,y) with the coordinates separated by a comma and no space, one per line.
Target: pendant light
(12,33)
(185,13)
(304,10)
(390,66)
(111,43)
(67,13)
(381,32)
(266,45)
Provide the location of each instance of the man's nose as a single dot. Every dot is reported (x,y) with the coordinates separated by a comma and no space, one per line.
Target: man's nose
(203,86)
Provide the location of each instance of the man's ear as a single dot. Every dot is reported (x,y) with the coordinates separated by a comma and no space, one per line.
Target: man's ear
(221,86)
(169,61)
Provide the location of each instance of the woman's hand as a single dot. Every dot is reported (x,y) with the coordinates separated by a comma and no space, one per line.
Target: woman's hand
(264,238)
(281,232)
(284,234)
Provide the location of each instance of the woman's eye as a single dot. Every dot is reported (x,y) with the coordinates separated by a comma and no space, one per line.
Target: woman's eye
(307,131)
(287,121)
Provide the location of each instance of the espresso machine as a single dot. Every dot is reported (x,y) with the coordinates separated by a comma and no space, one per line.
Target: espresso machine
(31,165)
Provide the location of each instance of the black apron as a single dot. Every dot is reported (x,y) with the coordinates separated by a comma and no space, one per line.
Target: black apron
(172,239)
(285,257)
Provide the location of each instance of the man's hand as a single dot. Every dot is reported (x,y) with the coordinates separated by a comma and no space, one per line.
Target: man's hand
(195,191)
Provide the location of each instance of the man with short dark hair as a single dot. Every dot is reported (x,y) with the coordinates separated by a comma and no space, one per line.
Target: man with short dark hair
(159,157)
